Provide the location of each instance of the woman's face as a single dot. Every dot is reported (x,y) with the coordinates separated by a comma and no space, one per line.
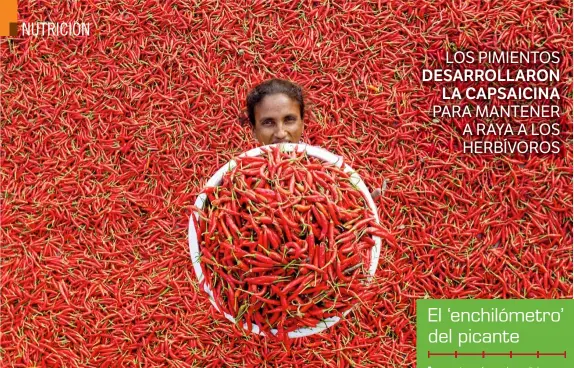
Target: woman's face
(277,120)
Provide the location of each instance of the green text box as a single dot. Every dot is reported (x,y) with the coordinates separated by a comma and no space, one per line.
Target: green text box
(471,333)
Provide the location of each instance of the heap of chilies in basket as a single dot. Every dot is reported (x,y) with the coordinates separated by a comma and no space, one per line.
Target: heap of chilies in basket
(286,241)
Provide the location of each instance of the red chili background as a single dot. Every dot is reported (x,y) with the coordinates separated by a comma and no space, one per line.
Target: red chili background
(108,139)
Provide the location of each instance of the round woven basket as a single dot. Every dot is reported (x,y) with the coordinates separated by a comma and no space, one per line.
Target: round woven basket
(216,180)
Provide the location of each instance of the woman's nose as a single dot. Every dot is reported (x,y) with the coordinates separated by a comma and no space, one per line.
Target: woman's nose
(281,132)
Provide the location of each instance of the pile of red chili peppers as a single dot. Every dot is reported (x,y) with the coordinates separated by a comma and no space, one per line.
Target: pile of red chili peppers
(287,241)
(107,141)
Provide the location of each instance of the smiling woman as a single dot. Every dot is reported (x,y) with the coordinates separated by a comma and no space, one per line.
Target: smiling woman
(276,109)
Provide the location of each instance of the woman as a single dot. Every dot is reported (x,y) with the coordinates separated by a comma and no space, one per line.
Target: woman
(276,109)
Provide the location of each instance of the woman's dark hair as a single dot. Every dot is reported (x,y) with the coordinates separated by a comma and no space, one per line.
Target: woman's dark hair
(271,87)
